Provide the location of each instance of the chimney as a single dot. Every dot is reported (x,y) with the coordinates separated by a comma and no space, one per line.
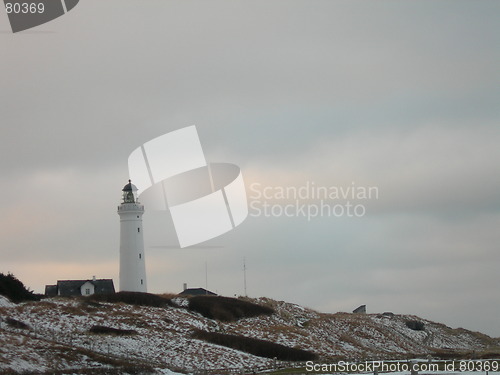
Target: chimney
(185,286)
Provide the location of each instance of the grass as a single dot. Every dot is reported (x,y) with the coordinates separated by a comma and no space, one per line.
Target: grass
(119,366)
(129,369)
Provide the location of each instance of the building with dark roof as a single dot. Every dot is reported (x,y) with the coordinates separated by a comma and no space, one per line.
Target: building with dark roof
(196,292)
(69,288)
(360,310)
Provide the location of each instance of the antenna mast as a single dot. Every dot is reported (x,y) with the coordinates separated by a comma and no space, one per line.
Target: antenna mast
(245,276)
(206,277)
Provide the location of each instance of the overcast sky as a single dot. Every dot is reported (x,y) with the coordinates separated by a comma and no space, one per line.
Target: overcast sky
(399,95)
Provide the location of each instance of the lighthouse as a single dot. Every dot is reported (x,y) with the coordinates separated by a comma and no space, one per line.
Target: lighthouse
(132,260)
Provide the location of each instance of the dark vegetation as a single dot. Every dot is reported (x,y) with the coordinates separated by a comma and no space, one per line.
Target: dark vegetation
(133,298)
(15,290)
(226,309)
(103,330)
(415,325)
(16,323)
(256,347)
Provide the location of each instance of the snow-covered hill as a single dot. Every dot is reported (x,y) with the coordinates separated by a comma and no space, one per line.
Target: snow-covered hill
(57,337)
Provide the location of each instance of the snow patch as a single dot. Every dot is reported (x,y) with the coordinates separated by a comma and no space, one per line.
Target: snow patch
(5,302)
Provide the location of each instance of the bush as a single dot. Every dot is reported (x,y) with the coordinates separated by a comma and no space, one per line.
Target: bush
(415,325)
(133,298)
(15,290)
(111,331)
(226,309)
(256,347)
(16,323)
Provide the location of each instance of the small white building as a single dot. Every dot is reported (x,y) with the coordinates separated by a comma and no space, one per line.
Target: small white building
(87,289)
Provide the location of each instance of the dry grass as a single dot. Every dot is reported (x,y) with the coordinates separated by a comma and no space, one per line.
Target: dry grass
(168,295)
(42,306)
(349,339)
(72,310)
(135,322)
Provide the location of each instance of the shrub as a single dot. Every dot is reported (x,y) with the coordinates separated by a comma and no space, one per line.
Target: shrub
(16,323)
(226,309)
(133,298)
(111,331)
(15,290)
(256,347)
(415,325)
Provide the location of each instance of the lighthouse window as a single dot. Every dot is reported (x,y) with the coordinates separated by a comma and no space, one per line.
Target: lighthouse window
(140,256)
(138,216)
(142,282)
(138,230)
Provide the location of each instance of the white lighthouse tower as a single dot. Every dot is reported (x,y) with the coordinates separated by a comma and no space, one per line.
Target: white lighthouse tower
(132,260)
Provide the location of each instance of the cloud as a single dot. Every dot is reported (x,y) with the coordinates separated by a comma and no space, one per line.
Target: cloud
(398,95)
(429,169)
(62,214)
